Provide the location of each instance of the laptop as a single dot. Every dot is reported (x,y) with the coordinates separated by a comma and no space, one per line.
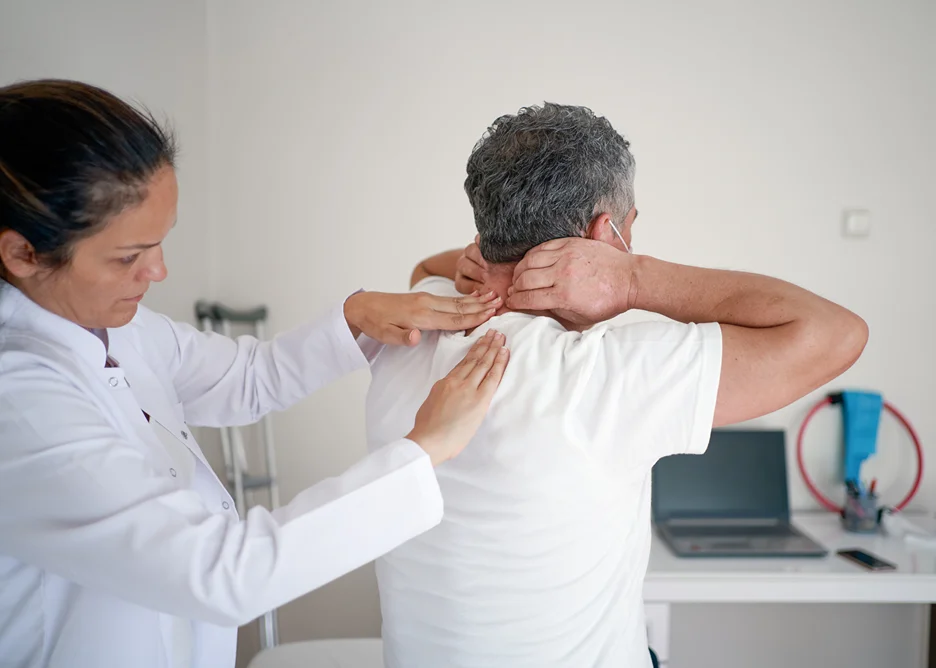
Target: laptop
(731,501)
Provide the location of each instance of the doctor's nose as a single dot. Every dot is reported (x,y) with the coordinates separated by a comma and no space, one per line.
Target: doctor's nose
(155,270)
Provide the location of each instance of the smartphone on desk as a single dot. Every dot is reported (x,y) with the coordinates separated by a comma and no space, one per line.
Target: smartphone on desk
(866,559)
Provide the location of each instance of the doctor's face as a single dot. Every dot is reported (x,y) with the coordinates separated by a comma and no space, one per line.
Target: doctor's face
(110,271)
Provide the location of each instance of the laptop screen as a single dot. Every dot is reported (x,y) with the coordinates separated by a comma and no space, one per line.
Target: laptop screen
(743,474)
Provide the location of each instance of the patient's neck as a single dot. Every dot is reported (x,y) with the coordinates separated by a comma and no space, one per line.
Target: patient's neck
(499,278)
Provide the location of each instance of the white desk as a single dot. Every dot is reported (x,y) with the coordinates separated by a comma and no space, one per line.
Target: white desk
(832,579)
(673,579)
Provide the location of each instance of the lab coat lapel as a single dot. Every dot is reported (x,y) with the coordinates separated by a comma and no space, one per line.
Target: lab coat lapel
(118,389)
(152,398)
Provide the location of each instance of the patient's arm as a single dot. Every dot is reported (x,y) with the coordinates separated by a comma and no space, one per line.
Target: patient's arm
(442,264)
(779,341)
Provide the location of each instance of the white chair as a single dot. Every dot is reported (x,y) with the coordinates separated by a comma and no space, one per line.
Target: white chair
(332,653)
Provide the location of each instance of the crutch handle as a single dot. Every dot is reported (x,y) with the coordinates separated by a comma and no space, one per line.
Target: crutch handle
(204,310)
(222,312)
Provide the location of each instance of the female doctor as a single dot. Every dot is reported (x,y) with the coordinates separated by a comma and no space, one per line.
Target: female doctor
(119,546)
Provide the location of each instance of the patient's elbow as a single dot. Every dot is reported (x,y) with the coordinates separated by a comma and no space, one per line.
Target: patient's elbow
(854,338)
(838,342)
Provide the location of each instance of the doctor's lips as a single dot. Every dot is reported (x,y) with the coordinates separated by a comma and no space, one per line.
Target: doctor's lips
(135,299)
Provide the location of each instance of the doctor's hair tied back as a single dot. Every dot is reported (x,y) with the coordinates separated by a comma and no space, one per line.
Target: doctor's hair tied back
(72,155)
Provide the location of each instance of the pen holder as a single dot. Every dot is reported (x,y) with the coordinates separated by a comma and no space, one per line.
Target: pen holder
(860,514)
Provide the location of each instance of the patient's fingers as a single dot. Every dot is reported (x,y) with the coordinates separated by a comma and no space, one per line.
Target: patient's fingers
(533,279)
(473,253)
(543,299)
(484,364)
(537,260)
(469,269)
(555,244)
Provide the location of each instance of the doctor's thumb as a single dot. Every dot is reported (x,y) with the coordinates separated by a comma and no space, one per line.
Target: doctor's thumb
(411,337)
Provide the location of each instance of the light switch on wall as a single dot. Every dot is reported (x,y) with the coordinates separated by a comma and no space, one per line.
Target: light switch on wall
(856,223)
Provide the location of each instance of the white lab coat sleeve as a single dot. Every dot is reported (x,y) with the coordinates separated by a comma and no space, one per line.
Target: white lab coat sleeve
(79,500)
(229,382)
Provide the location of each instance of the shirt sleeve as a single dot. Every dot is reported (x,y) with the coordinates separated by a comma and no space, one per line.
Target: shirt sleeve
(228,382)
(80,500)
(651,388)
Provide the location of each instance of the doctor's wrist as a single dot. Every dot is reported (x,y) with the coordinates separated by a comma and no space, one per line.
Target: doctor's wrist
(436,451)
(353,313)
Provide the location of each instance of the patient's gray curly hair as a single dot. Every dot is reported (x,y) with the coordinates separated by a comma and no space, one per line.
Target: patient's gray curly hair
(543,174)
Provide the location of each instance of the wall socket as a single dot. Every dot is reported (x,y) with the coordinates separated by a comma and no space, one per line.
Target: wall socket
(856,223)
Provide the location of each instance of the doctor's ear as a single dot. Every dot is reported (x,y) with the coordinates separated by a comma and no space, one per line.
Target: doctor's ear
(17,256)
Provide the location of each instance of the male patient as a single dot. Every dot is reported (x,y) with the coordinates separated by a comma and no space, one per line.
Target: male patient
(541,555)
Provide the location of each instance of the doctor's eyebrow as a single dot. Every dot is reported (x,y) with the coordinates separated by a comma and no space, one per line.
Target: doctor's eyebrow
(138,246)
(144,246)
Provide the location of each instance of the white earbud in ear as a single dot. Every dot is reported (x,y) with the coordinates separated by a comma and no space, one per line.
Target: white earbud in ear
(619,235)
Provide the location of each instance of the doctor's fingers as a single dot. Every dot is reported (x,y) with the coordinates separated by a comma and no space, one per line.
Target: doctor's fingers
(461,313)
(463,305)
(399,336)
(481,346)
(485,364)
(493,378)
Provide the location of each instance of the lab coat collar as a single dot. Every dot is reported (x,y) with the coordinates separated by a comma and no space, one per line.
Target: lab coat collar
(19,312)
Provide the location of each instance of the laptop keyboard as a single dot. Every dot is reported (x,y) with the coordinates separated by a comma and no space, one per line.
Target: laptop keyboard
(729,531)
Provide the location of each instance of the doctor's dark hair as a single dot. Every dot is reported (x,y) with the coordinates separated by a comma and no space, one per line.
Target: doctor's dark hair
(544,174)
(72,156)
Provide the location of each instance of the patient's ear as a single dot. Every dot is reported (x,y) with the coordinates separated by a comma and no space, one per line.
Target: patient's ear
(599,229)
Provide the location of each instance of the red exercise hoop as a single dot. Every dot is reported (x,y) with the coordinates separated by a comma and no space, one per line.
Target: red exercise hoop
(829,505)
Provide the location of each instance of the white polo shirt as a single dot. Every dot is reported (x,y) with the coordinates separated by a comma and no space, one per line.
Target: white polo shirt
(541,554)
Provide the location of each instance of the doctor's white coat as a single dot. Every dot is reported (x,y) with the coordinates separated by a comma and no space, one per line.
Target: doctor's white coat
(115,532)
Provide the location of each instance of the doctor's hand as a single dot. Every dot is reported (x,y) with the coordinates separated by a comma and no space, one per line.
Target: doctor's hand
(580,280)
(397,319)
(470,269)
(457,404)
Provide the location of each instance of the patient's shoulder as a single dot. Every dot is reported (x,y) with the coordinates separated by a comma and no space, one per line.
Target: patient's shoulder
(437,285)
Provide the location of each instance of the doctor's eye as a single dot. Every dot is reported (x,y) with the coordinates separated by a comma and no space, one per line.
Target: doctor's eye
(130,259)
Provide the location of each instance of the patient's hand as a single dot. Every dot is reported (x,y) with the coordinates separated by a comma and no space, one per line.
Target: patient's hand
(470,270)
(581,281)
